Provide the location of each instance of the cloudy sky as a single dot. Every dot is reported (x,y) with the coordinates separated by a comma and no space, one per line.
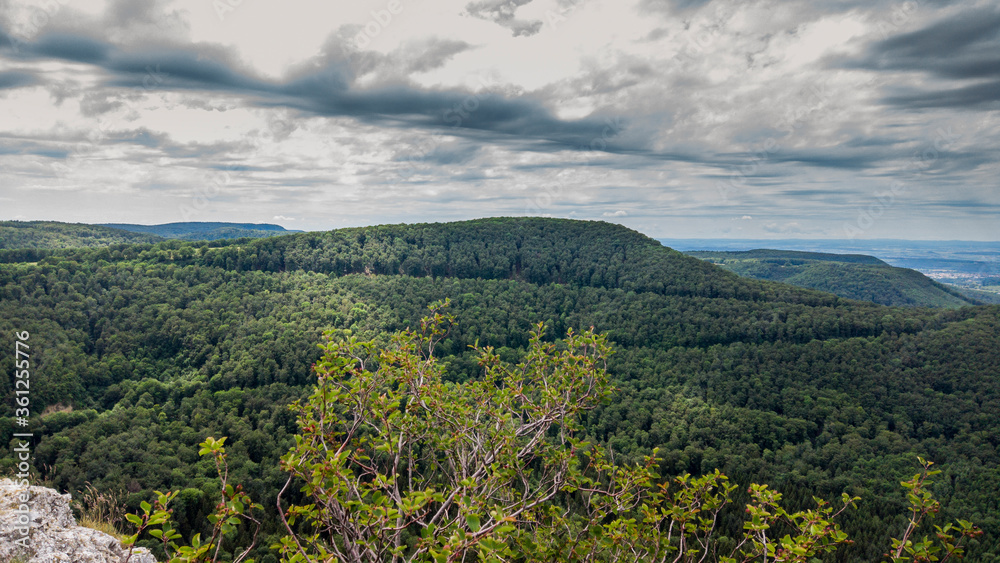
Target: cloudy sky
(679,118)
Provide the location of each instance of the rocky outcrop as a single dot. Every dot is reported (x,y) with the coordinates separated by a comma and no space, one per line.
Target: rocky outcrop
(52,533)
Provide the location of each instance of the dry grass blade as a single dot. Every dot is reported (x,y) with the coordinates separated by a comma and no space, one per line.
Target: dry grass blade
(101,511)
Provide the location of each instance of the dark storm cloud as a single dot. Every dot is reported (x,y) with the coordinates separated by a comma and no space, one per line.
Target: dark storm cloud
(970,204)
(501,12)
(817,193)
(977,96)
(831,159)
(456,111)
(864,142)
(844,157)
(963,47)
(326,91)
(177,68)
(10,145)
(672,6)
(468,176)
(17,79)
(70,47)
(617,157)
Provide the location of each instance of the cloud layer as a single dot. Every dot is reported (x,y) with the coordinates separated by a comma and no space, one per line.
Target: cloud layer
(677,118)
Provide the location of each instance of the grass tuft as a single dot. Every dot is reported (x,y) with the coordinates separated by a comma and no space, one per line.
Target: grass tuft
(100,526)
(101,511)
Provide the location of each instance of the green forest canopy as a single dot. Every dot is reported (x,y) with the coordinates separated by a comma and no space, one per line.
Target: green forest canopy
(157,346)
(55,235)
(201,230)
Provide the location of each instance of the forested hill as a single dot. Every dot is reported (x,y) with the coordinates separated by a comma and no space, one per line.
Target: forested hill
(201,230)
(34,239)
(54,235)
(533,250)
(139,352)
(854,276)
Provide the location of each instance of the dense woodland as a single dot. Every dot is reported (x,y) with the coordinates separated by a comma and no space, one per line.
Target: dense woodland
(53,235)
(204,230)
(141,351)
(41,235)
(854,276)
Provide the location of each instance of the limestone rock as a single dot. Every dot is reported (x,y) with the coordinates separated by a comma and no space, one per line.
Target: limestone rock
(54,535)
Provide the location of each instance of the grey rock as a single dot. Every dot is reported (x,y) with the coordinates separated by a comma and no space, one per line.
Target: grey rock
(53,535)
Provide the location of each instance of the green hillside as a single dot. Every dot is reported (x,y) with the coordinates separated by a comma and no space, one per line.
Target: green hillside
(205,230)
(157,346)
(29,241)
(51,234)
(853,276)
(985,297)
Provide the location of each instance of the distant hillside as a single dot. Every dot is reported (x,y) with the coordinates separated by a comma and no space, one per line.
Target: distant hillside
(853,276)
(787,256)
(205,230)
(988,297)
(53,235)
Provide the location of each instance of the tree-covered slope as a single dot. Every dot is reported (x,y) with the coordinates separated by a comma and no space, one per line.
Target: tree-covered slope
(533,250)
(979,295)
(853,276)
(199,230)
(157,346)
(51,234)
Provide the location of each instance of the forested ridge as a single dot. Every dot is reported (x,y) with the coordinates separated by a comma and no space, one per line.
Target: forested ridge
(204,230)
(53,235)
(30,240)
(854,276)
(157,346)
